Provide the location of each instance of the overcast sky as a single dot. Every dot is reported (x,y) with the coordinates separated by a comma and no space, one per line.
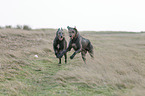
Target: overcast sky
(96,15)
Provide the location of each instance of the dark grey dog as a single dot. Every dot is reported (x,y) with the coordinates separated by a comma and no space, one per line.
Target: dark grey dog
(60,44)
(79,44)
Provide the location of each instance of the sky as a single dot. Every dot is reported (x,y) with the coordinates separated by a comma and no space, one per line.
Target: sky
(93,15)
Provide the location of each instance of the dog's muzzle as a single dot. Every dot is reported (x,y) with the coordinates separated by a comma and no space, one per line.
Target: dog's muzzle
(61,38)
(71,37)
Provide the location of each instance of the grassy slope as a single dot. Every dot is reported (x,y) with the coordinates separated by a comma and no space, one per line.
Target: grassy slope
(118,67)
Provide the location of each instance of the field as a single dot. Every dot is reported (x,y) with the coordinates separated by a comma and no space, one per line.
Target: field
(118,68)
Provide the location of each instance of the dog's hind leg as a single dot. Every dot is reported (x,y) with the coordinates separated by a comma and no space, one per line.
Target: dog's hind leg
(91,53)
(59,61)
(84,56)
(65,58)
(91,50)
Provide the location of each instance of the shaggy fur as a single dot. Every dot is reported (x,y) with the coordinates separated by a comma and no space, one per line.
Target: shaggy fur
(79,44)
(60,44)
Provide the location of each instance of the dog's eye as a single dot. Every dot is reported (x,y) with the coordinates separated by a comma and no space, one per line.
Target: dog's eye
(73,32)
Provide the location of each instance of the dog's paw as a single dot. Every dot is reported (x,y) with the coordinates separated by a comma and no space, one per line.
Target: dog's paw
(72,56)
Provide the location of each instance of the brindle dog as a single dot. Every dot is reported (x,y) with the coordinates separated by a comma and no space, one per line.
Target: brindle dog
(79,44)
(60,44)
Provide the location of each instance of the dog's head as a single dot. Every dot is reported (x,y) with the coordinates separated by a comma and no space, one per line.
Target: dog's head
(60,34)
(72,32)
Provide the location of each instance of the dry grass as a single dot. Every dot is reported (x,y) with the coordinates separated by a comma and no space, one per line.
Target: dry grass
(17,50)
(119,64)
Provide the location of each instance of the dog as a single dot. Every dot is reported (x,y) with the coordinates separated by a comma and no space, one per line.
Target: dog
(60,44)
(79,44)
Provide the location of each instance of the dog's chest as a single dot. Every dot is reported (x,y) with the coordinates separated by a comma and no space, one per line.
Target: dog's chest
(60,46)
(74,46)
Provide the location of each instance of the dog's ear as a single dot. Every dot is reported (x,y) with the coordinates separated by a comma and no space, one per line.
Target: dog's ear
(61,29)
(68,27)
(57,31)
(75,29)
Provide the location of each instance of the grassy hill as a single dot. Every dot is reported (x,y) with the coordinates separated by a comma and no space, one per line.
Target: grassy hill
(117,70)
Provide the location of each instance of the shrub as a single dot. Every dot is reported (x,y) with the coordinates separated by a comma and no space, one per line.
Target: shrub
(26,27)
(8,26)
(19,27)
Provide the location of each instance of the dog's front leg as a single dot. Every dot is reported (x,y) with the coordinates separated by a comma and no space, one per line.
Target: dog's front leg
(56,53)
(65,51)
(73,55)
(79,46)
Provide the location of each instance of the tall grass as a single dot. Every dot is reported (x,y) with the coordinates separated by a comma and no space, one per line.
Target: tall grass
(117,70)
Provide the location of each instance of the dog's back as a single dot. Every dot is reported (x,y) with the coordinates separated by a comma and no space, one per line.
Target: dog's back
(86,44)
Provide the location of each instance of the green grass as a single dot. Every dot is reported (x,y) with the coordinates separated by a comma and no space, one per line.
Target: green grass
(37,79)
(117,70)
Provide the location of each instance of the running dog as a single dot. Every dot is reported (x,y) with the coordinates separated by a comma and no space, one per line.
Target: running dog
(79,44)
(60,44)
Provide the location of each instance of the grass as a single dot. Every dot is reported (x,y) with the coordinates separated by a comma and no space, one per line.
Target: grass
(117,70)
